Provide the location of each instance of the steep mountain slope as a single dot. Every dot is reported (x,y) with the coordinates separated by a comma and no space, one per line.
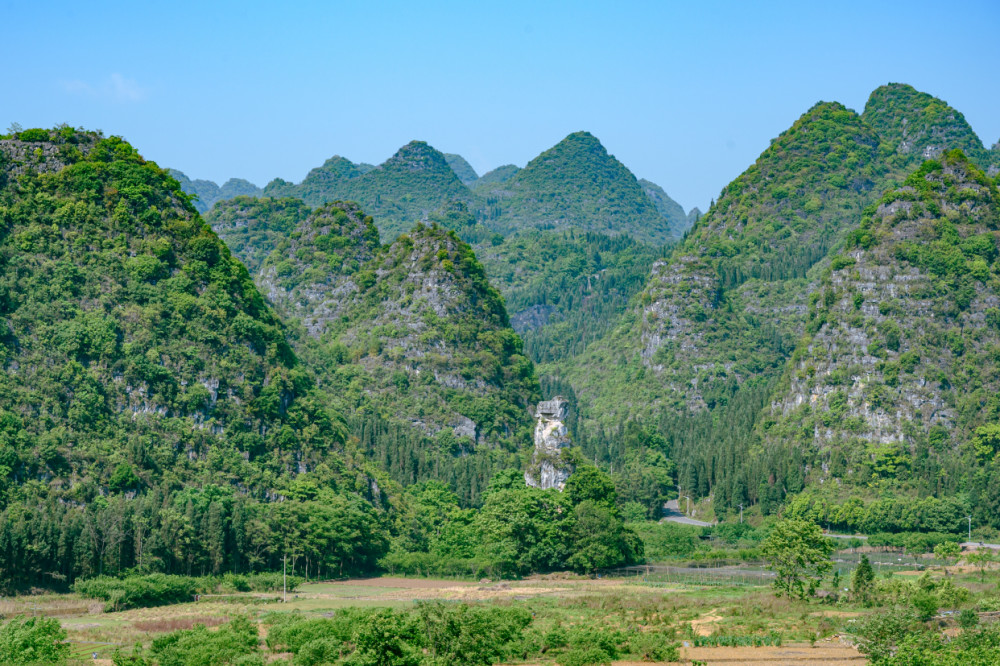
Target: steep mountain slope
(462,169)
(253,227)
(320,185)
(667,207)
(408,339)
(415,330)
(900,363)
(576,183)
(707,341)
(126,315)
(915,126)
(700,321)
(565,289)
(407,187)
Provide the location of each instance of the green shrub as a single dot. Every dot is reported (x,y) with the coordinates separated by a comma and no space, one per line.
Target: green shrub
(234,643)
(34,135)
(584,657)
(653,646)
(138,591)
(968,618)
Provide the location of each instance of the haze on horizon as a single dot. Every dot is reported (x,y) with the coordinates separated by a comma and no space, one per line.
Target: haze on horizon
(685,96)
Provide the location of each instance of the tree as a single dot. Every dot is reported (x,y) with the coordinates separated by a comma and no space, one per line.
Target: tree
(863,581)
(799,554)
(947,550)
(981,559)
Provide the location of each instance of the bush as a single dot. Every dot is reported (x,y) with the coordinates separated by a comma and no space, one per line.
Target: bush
(34,135)
(162,589)
(33,640)
(968,618)
(653,646)
(138,591)
(234,643)
(584,657)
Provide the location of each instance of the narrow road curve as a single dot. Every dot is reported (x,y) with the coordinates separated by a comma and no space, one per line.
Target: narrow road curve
(673,514)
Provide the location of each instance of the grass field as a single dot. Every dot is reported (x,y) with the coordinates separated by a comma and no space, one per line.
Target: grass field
(811,633)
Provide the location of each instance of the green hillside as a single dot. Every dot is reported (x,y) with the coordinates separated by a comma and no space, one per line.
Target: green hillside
(705,344)
(723,310)
(565,289)
(410,340)
(915,126)
(895,384)
(491,178)
(320,185)
(141,362)
(313,271)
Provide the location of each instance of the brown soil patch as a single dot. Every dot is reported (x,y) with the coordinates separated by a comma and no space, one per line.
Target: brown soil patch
(407,583)
(785,655)
(705,625)
(833,613)
(176,623)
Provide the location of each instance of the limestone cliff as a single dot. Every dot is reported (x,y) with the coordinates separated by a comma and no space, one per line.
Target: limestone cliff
(549,468)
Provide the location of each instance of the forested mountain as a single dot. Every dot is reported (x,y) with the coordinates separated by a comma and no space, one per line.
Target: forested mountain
(207,193)
(702,352)
(253,227)
(139,358)
(409,338)
(718,312)
(320,185)
(312,273)
(462,169)
(576,183)
(565,289)
(896,383)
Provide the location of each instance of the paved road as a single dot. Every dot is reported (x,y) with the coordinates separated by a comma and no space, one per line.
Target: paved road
(672,513)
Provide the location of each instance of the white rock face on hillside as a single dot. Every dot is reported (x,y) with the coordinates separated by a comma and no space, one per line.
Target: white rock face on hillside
(548,469)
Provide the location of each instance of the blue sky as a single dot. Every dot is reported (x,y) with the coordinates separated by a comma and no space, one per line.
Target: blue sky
(686,94)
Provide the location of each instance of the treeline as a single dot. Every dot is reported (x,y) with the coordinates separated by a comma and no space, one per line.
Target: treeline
(409,456)
(206,531)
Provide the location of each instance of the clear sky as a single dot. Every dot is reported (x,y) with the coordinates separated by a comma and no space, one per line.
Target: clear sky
(686,94)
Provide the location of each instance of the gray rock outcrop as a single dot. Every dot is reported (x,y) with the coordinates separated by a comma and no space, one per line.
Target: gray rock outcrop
(549,468)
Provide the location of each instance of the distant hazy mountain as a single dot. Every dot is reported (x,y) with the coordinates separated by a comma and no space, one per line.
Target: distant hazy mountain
(576,184)
(667,207)
(462,169)
(398,193)
(209,193)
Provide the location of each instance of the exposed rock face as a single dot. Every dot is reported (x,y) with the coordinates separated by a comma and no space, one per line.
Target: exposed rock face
(548,468)
(314,277)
